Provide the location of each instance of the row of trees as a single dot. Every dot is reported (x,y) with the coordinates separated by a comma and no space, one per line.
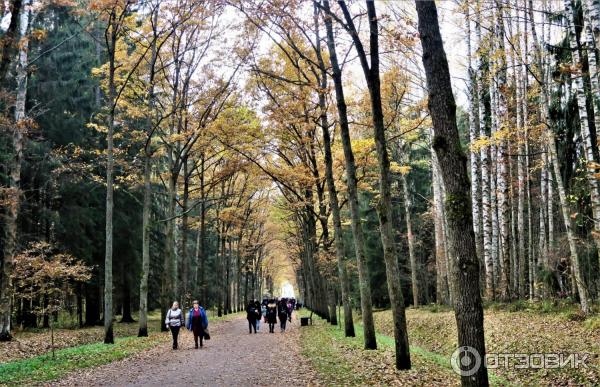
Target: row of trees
(216,141)
(528,131)
(518,77)
(120,118)
(304,93)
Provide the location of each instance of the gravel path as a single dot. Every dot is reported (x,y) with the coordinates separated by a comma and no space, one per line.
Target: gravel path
(231,358)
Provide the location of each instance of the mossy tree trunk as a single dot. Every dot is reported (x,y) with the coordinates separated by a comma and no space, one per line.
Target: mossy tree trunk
(452,160)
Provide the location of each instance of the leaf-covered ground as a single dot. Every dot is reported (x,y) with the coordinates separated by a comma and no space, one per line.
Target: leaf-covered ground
(30,343)
(342,361)
(78,349)
(511,332)
(432,334)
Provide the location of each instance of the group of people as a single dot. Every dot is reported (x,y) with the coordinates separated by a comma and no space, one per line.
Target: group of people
(268,311)
(197,322)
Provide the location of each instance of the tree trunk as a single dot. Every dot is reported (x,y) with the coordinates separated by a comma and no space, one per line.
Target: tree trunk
(169,274)
(147,204)
(384,206)
(14,191)
(411,241)
(143,329)
(468,306)
(112,95)
(503,125)
(522,124)
(577,79)
(474,130)
(186,296)
(442,291)
(580,284)
(486,209)
(126,316)
(338,235)
(351,181)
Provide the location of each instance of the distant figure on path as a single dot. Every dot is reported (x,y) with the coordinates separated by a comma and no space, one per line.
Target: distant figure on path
(282,310)
(174,321)
(290,309)
(197,322)
(251,315)
(263,311)
(258,314)
(271,315)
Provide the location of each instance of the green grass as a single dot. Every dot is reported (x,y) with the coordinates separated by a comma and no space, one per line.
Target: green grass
(325,358)
(45,367)
(340,360)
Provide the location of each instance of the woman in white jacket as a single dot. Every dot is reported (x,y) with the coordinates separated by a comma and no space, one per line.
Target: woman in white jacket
(174,321)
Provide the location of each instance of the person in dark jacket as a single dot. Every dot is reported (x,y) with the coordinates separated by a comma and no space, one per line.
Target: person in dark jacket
(282,311)
(197,322)
(252,315)
(271,315)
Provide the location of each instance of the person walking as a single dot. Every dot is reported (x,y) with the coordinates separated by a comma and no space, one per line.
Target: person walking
(263,312)
(174,321)
(271,315)
(251,315)
(258,314)
(290,309)
(197,322)
(283,314)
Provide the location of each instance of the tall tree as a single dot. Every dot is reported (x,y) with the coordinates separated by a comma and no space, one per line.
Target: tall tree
(21,12)
(351,182)
(333,195)
(384,207)
(467,305)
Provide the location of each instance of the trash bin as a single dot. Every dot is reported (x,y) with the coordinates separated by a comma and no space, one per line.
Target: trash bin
(303,321)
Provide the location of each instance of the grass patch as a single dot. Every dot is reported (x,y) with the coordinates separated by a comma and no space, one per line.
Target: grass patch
(513,330)
(45,368)
(341,360)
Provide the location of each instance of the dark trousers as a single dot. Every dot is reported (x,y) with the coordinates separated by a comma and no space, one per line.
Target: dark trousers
(282,321)
(201,336)
(271,327)
(175,333)
(251,325)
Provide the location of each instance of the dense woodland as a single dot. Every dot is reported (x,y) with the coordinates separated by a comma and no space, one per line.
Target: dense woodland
(209,149)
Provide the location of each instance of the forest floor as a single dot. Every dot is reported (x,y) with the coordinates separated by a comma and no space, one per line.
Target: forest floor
(34,342)
(314,355)
(432,334)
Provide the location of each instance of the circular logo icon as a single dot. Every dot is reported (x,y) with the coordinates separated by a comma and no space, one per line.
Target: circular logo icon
(465,361)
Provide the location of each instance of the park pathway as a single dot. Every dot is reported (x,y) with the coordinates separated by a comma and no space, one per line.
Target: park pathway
(231,358)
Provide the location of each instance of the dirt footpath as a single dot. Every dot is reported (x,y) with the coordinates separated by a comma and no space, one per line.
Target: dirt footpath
(231,358)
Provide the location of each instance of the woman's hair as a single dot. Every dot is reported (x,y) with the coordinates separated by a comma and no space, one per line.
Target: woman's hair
(175,302)
(195,302)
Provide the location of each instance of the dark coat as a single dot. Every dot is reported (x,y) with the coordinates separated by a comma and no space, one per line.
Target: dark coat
(271,314)
(252,313)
